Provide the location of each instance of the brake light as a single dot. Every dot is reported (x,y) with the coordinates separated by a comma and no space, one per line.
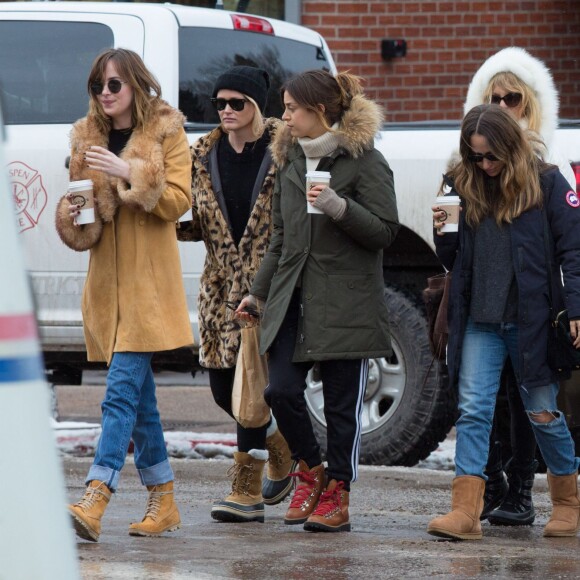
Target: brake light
(576,168)
(251,24)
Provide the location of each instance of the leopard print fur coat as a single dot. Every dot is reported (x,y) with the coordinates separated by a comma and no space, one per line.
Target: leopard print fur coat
(228,270)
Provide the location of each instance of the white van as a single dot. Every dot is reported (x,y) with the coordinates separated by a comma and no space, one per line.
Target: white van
(46,50)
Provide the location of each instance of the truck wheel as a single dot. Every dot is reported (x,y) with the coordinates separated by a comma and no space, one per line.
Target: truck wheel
(408,407)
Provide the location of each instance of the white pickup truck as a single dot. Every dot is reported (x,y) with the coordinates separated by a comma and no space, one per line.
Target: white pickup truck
(46,50)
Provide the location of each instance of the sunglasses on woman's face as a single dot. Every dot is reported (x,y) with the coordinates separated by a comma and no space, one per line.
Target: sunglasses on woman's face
(511,99)
(235,104)
(479,157)
(114,86)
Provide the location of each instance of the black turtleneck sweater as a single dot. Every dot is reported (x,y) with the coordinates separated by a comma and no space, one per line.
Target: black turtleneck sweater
(238,172)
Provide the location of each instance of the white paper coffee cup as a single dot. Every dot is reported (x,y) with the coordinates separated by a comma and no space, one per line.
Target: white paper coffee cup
(82,195)
(187,216)
(316,178)
(450,205)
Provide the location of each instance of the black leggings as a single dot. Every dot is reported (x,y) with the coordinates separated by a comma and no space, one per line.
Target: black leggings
(221,382)
(344,383)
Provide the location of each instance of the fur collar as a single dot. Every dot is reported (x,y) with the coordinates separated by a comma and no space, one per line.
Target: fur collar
(530,70)
(356,131)
(143,150)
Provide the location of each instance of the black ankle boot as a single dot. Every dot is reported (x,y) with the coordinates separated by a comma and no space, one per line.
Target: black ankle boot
(496,486)
(517,509)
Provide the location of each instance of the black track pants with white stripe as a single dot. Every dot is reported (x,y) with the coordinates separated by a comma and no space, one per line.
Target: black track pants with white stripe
(343,388)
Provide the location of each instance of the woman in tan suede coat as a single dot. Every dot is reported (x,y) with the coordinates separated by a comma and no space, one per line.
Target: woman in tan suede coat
(133,147)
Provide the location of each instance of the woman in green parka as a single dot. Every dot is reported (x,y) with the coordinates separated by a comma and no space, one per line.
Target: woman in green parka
(322,282)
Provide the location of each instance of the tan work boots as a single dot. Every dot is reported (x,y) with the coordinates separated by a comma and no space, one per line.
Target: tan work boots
(87,513)
(161,514)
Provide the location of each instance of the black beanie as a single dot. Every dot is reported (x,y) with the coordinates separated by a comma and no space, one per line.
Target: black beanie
(249,80)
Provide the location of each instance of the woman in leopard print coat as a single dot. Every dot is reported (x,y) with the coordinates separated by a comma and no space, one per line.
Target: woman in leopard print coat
(233,182)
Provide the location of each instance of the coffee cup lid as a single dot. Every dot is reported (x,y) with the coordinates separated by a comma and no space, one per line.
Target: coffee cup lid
(82,184)
(319,174)
(451,199)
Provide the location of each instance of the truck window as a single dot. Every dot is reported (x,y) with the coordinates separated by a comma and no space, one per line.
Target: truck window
(44,68)
(204,53)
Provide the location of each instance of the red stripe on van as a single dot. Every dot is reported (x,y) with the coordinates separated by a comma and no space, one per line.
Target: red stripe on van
(17,327)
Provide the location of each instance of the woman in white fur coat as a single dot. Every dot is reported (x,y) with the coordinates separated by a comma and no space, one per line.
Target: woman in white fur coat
(514,71)
(523,85)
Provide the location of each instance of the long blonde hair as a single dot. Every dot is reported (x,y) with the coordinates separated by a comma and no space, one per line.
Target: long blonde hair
(132,69)
(519,180)
(511,83)
(313,88)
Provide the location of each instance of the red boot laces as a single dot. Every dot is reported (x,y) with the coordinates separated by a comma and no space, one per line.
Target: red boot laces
(304,490)
(329,500)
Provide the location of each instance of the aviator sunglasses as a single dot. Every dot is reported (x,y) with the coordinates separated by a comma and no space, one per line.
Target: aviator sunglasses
(114,86)
(479,157)
(235,104)
(511,99)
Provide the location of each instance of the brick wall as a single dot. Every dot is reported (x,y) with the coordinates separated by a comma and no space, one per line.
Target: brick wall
(446,43)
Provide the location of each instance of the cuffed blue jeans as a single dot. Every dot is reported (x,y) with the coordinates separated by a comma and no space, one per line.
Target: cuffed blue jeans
(485,348)
(130,411)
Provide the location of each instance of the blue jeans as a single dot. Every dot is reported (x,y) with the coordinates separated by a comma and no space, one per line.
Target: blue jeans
(130,411)
(485,348)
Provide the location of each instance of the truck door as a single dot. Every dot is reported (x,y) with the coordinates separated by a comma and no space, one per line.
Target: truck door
(45,59)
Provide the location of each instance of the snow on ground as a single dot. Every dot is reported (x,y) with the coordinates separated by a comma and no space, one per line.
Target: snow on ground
(80,439)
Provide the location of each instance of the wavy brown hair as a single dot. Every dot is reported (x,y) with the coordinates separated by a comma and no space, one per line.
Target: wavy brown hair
(313,88)
(519,181)
(131,69)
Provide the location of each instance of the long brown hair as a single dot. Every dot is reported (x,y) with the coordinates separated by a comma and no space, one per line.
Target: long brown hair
(519,180)
(313,88)
(132,69)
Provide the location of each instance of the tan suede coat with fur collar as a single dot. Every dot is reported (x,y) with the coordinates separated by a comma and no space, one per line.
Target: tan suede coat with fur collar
(133,300)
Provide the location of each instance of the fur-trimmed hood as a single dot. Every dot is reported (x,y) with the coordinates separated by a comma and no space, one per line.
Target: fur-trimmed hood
(530,70)
(356,131)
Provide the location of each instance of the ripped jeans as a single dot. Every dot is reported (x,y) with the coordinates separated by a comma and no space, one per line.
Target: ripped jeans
(485,348)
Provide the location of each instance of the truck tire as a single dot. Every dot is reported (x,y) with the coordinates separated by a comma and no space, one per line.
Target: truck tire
(409,407)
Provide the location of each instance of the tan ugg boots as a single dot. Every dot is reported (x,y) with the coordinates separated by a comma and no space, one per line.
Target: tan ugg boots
(311,482)
(245,502)
(565,520)
(87,513)
(161,514)
(277,483)
(462,523)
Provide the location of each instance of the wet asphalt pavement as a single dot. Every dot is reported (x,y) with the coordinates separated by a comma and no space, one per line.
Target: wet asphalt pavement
(390,508)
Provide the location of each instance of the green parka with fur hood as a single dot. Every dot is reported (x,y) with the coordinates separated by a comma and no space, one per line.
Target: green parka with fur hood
(336,264)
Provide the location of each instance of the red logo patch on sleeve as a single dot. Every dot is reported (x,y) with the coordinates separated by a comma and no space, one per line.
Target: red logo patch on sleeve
(572,199)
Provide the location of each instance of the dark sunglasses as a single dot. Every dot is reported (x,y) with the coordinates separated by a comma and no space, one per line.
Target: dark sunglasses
(114,85)
(479,157)
(235,104)
(511,99)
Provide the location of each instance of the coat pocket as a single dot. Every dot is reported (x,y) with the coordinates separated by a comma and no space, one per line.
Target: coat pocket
(351,301)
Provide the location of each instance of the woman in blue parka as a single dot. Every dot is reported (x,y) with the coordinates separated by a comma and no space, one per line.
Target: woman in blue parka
(499,307)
